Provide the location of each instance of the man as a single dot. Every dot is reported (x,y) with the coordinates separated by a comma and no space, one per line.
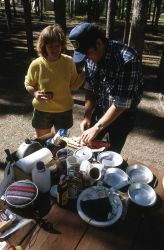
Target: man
(113,85)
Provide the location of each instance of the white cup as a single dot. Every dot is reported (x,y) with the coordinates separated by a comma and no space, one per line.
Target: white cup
(90,172)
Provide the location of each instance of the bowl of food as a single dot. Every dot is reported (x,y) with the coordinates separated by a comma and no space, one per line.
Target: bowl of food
(142,194)
(92,199)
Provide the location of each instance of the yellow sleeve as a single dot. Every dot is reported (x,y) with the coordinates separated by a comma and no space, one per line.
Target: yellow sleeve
(31,79)
(76,79)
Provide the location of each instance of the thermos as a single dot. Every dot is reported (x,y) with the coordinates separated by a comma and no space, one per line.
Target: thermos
(41,177)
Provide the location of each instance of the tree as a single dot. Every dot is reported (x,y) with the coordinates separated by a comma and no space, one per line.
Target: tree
(127,21)
(160,72)
(8,14)
(111,11)
(137,29)
(28,24)
(157,16)
(60,13)
(90,11)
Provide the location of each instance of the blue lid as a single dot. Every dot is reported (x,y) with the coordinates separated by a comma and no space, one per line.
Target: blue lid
(63,132)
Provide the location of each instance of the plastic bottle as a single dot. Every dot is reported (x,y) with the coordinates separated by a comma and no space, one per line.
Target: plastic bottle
(62,191)
(41,177)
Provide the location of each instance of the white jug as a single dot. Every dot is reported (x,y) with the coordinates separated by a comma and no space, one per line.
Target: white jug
(29,162)
(41,177)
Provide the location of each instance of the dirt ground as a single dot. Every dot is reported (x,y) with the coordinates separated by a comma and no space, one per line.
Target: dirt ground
(144,144)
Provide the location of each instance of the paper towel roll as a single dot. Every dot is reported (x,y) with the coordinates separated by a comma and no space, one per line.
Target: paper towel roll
(29,162)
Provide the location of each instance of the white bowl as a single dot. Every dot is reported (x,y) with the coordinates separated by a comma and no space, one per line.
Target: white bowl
(83,153)
(110,159)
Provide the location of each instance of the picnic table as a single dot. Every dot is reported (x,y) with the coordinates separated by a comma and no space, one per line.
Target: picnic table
(141,229)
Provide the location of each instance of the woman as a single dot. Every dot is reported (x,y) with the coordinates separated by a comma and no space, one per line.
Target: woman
(50,79)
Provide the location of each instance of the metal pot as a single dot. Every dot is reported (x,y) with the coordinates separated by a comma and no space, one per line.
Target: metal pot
(27,147)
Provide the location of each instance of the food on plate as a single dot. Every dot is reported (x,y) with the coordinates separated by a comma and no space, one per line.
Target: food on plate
(97,209)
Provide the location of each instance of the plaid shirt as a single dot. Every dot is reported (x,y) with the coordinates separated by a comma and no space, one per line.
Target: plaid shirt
(117,79)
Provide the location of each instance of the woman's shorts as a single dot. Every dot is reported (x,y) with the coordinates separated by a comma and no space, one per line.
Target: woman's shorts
(46,120)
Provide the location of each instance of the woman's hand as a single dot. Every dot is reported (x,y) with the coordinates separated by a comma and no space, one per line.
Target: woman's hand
(89,134)
(43,95)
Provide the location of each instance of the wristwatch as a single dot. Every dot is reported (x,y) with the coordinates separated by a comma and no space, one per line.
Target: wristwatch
(99,126)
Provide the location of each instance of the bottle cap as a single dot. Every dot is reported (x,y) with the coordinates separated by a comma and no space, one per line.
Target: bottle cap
(63,132)
(40,166)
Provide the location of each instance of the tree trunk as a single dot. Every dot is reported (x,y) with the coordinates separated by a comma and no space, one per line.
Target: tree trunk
(137,30)
(127,21)
(110,18)
(8,14)
(44,5)
(154,11)
(160,72)
(28,25)
(157,16)
(14,8)
(60,13)
(119,9)
(149,9)
(96,10)
(90,12)
(122,9)
(41,9)
(71,9)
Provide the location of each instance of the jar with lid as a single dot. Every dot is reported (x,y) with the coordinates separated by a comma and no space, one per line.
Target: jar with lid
(41,177)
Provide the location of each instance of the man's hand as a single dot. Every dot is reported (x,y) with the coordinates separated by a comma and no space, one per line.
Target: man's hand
(89,134)
(85,124)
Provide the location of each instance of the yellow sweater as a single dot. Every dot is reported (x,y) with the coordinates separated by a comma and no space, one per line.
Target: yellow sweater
(59,77)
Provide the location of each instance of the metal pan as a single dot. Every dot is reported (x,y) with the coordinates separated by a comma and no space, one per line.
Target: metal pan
(142,194)
(139,173)
(115,176)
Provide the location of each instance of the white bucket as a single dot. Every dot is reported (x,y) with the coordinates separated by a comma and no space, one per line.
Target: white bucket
(29,162)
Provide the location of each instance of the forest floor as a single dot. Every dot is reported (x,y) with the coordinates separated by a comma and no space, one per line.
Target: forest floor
(144,144)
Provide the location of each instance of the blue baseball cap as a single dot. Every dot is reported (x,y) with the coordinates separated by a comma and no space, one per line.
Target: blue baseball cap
(83,37)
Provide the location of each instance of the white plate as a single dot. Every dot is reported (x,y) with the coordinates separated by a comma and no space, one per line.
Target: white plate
(115,176)
(83,153)
(96,192)
(110,159)
(139,173)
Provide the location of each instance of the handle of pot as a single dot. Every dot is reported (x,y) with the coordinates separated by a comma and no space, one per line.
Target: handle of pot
(7,151)
(119,186)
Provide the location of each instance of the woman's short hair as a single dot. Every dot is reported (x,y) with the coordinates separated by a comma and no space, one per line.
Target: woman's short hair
(50,34)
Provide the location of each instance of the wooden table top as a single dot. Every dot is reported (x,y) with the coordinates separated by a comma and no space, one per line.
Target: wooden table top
(141,229)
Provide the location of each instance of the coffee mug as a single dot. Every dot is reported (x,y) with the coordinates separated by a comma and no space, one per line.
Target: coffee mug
(90,172)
